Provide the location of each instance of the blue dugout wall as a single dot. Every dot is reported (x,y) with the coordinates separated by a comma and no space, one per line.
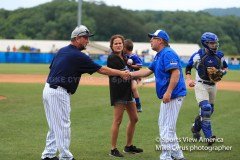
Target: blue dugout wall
(19,57)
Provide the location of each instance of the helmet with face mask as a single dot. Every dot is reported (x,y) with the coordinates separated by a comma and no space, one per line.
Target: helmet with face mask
(210,42)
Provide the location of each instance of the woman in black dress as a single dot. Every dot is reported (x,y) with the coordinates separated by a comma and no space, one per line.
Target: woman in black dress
(121,98)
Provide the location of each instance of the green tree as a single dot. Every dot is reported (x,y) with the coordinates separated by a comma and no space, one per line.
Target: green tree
(56,20)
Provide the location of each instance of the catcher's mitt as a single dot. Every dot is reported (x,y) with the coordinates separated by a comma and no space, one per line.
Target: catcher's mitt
(214,74)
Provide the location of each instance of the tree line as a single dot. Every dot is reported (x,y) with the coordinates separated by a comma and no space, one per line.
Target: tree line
(55,20)
(224,12)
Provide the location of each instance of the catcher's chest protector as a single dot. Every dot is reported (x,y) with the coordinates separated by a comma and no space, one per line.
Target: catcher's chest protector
(207,60)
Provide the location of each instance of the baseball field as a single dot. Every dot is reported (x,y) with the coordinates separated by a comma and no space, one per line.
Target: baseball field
(23,124)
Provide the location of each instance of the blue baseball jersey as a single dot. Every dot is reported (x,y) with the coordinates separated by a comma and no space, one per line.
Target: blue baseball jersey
(67,67)
(201,60)
(136,60)
(163,62)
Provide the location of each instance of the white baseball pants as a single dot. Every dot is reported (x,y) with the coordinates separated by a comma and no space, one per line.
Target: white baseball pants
(205,92)
(57,108)
(167,127)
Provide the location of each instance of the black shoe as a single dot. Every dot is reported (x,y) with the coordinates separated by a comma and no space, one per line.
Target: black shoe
(196,135)
(54,158)
(211,140)
(178,159)
(132,149)
(115,153)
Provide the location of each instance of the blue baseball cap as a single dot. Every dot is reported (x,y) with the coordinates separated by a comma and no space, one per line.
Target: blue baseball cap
(160,34)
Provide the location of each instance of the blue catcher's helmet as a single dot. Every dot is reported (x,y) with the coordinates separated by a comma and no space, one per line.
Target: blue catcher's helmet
(210,41)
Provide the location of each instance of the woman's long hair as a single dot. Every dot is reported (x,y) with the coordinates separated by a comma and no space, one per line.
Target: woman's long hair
(111,44)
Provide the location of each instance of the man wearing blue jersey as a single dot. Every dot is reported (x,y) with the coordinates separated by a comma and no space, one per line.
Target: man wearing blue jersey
(134,66)
(170,87)
(205,89)
(65,73)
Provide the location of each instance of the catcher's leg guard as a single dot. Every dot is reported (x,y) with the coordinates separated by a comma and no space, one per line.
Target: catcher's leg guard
(197,124)
(206,112)
(196,128)
(212,108)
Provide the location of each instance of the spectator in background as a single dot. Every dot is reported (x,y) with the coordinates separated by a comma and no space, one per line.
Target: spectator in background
(14,49)
(8,48)
(53,49)
(234,61)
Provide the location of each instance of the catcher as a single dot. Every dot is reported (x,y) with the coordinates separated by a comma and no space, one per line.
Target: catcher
(210,68)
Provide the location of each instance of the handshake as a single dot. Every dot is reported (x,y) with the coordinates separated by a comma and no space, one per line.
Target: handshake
(126,75)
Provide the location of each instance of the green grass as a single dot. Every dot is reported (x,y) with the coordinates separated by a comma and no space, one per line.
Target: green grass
(10,68)
(232,75)
(23,124)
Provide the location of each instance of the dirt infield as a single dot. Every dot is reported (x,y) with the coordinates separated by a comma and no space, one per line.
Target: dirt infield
(2,97)
(93,80)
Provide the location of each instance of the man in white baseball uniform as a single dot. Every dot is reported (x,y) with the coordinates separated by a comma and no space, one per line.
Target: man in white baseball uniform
(170,87)
(65,72)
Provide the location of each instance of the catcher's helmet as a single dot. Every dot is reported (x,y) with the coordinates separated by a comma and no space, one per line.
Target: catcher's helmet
(210,41)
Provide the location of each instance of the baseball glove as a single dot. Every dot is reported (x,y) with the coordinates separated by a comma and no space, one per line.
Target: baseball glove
(214,74)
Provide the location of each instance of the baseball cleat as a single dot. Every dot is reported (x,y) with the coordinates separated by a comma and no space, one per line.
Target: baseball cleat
(211,140)
(178,159)
(54,158)
(196,135)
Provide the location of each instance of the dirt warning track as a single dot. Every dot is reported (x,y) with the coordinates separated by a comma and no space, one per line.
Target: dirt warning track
(93,80)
